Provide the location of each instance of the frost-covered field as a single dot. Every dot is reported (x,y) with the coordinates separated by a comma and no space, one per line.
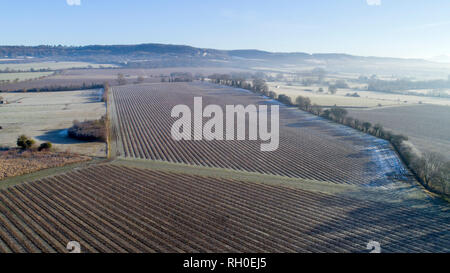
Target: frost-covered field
(45,115)
(427,126)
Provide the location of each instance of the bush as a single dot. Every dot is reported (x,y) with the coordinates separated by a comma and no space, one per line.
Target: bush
(25,142)
(45,146)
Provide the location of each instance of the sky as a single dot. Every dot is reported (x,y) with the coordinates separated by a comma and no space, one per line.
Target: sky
(394,28)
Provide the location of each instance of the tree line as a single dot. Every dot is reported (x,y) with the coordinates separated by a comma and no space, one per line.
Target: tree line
(8,70)
(56,88)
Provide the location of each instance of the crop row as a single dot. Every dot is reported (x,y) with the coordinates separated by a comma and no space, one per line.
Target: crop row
(109,208)
(309,148)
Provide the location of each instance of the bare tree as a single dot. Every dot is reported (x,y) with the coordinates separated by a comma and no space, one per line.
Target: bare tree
(366,126)
(377,130)
(429,167)
(121,79)
(303,103)
(140,79)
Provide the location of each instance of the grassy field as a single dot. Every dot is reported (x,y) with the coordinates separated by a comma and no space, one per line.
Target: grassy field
(45,116)
(50,65)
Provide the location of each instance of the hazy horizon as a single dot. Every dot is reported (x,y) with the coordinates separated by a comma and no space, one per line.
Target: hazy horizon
(406,29)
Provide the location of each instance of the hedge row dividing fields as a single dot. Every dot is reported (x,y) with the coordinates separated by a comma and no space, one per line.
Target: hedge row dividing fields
(310,147)
(109,208)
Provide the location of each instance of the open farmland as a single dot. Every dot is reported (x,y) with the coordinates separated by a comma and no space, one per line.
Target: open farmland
(310,147)
(45,116)
(427,126)
(110,208)
(367,99)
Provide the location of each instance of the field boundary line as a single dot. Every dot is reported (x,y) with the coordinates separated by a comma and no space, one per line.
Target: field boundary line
(275,180)
(349,190)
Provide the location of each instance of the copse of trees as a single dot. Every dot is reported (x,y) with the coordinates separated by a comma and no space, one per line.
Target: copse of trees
(89,130)
(257,85)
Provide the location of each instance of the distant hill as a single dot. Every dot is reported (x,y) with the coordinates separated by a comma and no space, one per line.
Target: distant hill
(164,55)
(152,50)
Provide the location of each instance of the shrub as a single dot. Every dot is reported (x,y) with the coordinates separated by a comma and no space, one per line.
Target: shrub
(25,142)
(45,146)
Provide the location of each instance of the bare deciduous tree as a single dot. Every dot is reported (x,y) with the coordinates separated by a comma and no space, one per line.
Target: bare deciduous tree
(121,79)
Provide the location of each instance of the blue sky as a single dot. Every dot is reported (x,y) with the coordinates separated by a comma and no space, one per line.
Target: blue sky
(398,28)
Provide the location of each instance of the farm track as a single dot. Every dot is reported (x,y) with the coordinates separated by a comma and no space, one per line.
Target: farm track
(310,148)
(110,208)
